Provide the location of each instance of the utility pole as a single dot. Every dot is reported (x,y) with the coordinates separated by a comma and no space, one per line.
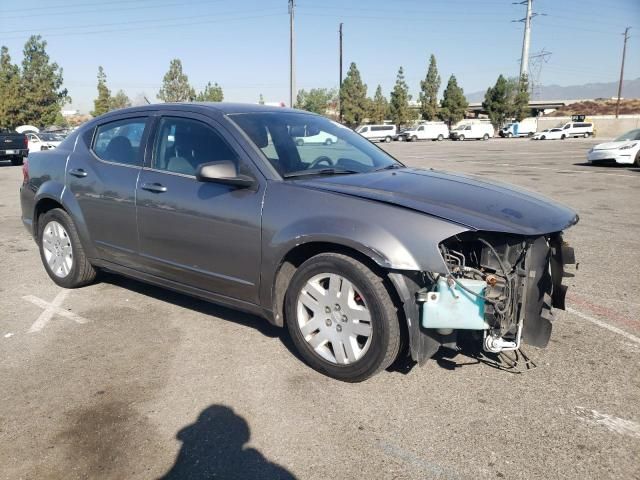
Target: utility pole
(524,61)
(624,53)
(292,52)
(340,78)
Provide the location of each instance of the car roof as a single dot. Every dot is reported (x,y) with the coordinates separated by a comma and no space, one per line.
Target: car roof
(225,108)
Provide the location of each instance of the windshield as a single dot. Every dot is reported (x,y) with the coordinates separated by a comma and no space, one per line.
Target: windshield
(296,143)
(556,129)
(630,135)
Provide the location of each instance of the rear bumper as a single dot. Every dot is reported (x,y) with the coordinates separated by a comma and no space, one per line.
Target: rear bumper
(18,152)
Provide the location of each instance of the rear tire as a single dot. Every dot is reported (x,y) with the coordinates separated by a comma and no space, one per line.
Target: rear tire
(299,142)
(58,239)
(17,161)
(328,141)
(586,135)
(440,137)
(363,354)
(485,137)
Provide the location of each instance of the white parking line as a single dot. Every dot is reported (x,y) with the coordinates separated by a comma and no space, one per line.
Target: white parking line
(604,325)
(51,309)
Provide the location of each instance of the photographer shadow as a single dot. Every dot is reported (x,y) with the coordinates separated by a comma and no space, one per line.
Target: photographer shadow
(214,448)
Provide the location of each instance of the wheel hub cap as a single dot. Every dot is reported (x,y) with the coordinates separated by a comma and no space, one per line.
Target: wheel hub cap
(58,252)
(334,319)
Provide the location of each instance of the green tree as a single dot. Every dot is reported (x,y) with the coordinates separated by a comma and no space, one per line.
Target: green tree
(42,92)
(454,104)
(120,100)
(10,98)
(429,91)
(399,104)
(378,107)
(497,102)
(353,97)
(211,93)
(316,100)
(175,85)
(102,103)
(521,108)
(60,120)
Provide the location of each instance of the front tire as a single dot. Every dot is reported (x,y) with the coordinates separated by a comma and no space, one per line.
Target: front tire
(461,138)
(61,251)
(328,141)
(440,137)
(485,137)
(636,163)
(414,138)
(387,139)
(341,318)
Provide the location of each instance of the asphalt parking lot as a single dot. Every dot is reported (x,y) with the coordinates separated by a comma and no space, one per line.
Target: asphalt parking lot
(124,380)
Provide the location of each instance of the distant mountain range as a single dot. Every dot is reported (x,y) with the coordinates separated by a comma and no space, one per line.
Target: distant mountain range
(630,89)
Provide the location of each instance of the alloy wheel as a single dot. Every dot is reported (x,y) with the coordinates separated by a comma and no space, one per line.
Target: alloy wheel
(58,251)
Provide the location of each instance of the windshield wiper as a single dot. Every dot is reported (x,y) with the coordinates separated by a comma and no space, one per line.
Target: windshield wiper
(393,166)
(319,171)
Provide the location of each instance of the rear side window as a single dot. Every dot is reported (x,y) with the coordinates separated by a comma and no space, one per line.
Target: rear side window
(184,144)
(120,141)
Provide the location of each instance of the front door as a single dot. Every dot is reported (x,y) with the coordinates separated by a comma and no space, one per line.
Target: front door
(102,178)
(205,235)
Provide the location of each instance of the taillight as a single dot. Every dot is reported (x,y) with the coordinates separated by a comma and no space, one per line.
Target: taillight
(26,142)
(25,171)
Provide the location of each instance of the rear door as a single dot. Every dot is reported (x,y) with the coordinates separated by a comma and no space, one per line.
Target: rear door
(205,235)
(102,178)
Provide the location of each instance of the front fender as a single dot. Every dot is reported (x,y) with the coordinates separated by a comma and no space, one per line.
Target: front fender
(395,238)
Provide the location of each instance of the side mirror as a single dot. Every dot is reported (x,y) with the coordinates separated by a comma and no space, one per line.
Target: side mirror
(223,172)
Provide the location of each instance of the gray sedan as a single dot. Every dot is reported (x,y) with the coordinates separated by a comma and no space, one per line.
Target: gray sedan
(363,259)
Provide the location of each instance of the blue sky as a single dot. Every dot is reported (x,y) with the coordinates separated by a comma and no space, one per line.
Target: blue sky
(243,44)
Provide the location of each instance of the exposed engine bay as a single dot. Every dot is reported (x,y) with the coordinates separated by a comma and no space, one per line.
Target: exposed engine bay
(503,286)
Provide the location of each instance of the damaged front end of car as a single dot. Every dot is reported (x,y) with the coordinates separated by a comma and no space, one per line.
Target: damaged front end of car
(502,288)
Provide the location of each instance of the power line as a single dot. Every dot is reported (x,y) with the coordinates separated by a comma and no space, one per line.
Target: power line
(134,22)
(147,27)
(526,40)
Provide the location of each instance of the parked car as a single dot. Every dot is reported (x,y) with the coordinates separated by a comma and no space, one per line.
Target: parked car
(320,138)
(13,146)
(43,141)
(526,128)
(549,134)
(381,133)
(538,135)
(576,129)
(476,131)
(426,131)
(624,150)
(348,248)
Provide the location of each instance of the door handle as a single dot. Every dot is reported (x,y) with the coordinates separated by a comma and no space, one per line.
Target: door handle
(78,172)
(154,187)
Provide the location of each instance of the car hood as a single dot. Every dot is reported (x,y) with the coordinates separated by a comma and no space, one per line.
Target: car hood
(613,145)
(466,200)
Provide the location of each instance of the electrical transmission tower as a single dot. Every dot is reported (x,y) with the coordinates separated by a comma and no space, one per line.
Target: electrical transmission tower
(536,61)
(526,41)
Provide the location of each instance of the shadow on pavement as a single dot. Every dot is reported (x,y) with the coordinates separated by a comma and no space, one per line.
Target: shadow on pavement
(214,448)
(202,306)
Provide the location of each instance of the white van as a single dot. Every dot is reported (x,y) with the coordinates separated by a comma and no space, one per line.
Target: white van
(381,133)
(525,128)
(576,129)
(476,131)
(426,131)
